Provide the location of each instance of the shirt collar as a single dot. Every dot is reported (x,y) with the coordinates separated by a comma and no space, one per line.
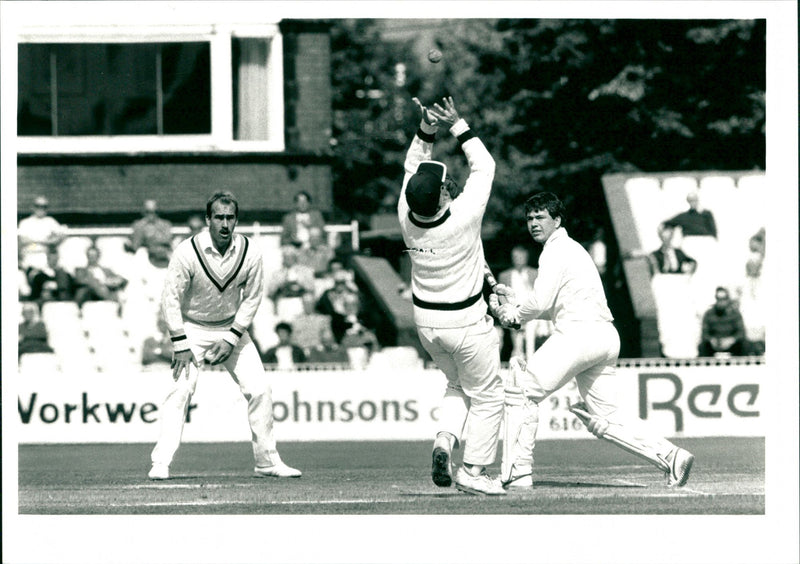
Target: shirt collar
(204,239)
(557,234)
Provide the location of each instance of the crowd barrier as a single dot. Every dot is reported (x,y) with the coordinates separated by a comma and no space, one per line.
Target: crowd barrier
(675,400)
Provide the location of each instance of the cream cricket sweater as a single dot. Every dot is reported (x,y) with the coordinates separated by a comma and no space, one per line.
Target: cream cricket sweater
(210,289)
(446,250)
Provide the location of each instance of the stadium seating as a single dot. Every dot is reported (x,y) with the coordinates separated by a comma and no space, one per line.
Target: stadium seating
(39,364)
(113,254)
(72,252)
(737,201)
(393,359)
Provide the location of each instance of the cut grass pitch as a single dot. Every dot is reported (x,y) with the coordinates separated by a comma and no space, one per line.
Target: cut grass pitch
(369,478)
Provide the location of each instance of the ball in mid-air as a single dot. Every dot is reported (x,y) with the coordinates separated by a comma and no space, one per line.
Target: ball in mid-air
(434,55)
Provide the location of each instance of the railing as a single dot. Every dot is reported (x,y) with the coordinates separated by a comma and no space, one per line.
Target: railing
(256,229)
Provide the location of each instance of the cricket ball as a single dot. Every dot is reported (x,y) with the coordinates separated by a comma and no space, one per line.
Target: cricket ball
(434,55)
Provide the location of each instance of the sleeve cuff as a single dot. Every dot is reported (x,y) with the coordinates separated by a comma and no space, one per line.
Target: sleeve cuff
(427,127)
(459,127)
(179,343)
(233,335)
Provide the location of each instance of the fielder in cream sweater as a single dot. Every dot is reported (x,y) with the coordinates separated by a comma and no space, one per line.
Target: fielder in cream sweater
(212,290)
(441,227)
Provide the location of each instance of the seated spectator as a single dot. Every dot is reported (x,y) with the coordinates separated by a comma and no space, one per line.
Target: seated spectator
(285,355)
(94,282)
(291,287)
(328,351)
(722,331)
(297,223)
(695,221)
(668,259)
(152,233)
(158,348)
(196,223)
(335,269)
(53,283)
(317,254)
(37,236)
(32,332)
(360,343)
(342,303)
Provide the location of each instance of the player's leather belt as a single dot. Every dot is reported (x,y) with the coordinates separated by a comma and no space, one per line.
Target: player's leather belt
(446,306)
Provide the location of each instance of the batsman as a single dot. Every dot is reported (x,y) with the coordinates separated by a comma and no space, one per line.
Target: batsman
(584,346)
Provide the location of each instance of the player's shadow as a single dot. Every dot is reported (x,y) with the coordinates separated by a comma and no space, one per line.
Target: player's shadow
(557,484)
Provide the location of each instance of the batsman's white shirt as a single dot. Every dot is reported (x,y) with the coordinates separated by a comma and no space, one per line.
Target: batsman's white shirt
(568,287)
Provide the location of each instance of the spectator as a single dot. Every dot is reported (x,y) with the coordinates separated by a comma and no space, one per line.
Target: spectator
(695,221)
(318,253)
(751,295)
(327,351)
(520,277)
(285,355)
(327,280)
(195,224)
(53,283)
(158,348)
(152,233)
(342,303)
(359,343)
(38,235)
(668,259)
(94,282)
(297,224)
(722,330)
(598,251)
(32,332)
(291,288)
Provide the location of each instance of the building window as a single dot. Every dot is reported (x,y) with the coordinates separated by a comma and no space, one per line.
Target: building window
(91,89)
(250,88)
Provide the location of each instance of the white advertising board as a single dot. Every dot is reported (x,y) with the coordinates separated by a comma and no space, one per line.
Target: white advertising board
(345,405)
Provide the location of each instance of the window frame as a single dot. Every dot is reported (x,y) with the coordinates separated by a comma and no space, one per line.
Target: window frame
(219,37)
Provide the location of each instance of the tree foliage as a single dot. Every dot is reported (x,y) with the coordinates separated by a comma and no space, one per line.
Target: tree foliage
(558,103)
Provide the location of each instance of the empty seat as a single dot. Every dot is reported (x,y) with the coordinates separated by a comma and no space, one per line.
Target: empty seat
(61,316)
(39,364)
(72,252)
(113,254)
(644,198)
(395,358)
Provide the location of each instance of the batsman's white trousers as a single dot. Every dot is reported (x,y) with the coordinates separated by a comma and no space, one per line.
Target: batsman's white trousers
(244,366)
(588,352)
(473,401)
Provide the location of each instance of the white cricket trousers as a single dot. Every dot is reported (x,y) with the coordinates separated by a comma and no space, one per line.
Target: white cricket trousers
(588,352)
(244,366)
(473,401)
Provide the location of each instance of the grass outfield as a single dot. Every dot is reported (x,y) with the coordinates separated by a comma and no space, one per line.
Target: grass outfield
(367,478)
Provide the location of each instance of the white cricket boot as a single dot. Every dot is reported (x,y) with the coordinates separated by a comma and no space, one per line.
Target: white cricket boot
(279,470)
(519,479)
(481,484)
(680,464)
(158,472)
